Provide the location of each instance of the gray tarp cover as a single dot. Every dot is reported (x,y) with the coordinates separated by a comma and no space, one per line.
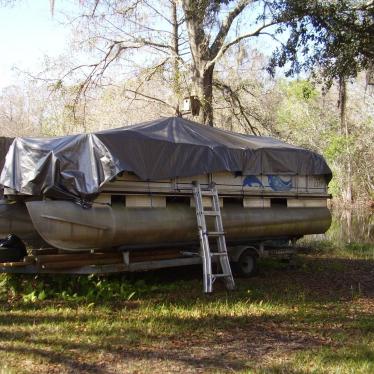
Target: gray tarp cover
(5,143)
(78,165)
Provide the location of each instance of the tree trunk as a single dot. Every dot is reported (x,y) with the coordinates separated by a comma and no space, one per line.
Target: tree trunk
(204,51)
(344,128)
(204,91)
(202,78)
(175,48)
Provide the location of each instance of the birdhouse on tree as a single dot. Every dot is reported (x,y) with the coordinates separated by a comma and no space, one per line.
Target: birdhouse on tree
(191,104)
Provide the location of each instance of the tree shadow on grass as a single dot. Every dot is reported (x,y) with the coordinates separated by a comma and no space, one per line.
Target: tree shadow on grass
(314,279)
(27,320)
(223,349)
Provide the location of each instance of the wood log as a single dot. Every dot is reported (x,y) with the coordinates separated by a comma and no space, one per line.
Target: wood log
(42,259)
(44,251)
(79,263)
(29,259)
(155,257)
(13,264)
(148,252)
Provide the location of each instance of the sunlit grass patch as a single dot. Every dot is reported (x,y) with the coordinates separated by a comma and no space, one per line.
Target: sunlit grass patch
(351,358)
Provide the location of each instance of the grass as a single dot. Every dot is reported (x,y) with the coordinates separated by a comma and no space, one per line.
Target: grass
(317,318)
(353,250)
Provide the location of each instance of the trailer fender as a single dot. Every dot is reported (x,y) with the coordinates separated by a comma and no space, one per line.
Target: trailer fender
(236,252)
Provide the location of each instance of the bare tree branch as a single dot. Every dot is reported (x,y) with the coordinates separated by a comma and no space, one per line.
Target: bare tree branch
(149,97)
(95,7)
(225,47)
(225,27)
(234,100)
(158,12)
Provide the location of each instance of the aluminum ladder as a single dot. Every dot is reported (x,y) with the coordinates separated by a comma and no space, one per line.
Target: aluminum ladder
(204,235)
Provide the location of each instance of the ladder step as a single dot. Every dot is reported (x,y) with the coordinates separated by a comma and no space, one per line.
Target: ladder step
(208,193)
(221,275)
(218,254)
(211,213)
(215,233)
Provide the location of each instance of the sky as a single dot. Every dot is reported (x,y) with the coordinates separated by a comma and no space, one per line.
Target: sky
(28,32)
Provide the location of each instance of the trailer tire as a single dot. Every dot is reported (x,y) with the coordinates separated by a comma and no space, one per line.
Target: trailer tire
(246,266)
(12,249)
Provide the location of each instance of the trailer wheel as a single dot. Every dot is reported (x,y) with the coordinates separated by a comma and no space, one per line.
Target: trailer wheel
(12,249)
(246,266)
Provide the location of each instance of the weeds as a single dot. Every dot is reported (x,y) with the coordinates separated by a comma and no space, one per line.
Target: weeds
(92,288)
(351,250)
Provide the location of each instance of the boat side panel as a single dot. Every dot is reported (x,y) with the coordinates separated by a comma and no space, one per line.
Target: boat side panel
(66,225)
(226,182)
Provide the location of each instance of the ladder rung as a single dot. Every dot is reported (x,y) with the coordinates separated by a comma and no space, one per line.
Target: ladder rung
(221,275)
(218,254)
(208,193)
(215,233)
(211,213)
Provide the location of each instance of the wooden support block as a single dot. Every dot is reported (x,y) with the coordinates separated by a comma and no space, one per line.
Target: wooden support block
(256,202)
(145,201)
(306,203)
(207,202)
(103,199)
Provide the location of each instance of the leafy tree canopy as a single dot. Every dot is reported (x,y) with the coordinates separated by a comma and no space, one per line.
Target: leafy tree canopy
(336,36)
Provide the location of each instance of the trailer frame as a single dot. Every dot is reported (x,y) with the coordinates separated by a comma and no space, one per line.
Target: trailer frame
(187,258)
